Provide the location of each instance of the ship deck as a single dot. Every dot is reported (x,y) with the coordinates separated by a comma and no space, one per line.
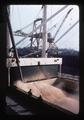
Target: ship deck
(52,93)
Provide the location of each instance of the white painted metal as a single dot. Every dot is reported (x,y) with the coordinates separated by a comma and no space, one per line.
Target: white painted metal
(44,32)
(11,62)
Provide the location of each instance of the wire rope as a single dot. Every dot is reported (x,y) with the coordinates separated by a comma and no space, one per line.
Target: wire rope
(66,32)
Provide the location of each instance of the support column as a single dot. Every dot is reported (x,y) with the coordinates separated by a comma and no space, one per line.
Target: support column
(44,32)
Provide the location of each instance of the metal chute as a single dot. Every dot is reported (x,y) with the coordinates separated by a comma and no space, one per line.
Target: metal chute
(34,69)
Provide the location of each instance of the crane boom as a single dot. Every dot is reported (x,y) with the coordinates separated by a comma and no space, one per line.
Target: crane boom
(25,35)
(62,23)
(66,32)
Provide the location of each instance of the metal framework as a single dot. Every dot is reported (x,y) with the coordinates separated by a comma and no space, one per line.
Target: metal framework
(25,35)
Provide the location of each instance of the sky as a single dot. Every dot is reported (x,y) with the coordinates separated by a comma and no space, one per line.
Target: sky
(22,15)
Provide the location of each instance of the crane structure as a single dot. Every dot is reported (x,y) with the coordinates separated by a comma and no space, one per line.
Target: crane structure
(62,22)
(41,34)
(37,36)
(25,35)
(53,39)
(38,64)
(66,32)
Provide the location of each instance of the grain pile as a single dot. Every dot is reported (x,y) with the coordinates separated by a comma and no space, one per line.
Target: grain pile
(50,94)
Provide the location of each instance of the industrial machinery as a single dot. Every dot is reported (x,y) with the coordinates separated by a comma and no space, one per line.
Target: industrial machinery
(34,68)
(27,74)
